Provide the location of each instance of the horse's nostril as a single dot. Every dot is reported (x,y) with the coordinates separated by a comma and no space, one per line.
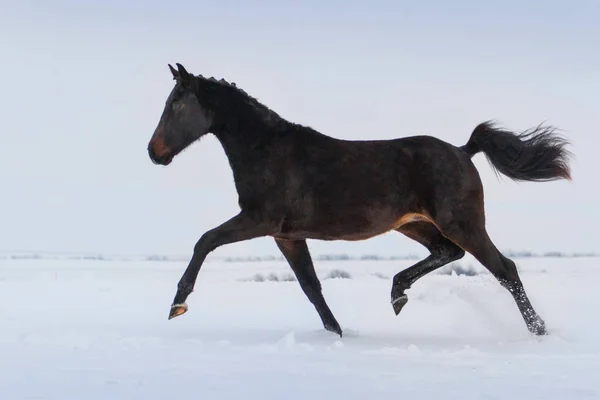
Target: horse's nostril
(151,154)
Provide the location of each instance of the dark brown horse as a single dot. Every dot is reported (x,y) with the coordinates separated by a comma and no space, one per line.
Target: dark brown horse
(295,183)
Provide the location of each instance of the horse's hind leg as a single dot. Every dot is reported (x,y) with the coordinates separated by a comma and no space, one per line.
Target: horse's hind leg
(473,237)
(442,250)
(298,257)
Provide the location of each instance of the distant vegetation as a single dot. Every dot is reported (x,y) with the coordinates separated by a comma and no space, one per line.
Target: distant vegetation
(372,257)
(459,269)
(267,258)
(271,277)
(338,274)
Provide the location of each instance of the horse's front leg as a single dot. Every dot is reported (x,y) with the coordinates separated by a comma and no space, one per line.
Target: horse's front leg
(243,226)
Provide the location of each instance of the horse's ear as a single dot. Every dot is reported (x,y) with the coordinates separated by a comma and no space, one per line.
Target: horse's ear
(182,72)
(174,72)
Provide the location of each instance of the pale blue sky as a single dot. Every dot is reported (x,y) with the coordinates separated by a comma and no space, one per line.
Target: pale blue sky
(84,83)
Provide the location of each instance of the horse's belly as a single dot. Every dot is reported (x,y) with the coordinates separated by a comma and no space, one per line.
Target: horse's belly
(352,227)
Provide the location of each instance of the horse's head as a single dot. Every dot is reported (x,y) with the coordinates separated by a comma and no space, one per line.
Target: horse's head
(183,121)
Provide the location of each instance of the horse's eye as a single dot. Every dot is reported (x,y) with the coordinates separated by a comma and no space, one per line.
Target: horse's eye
(177,106)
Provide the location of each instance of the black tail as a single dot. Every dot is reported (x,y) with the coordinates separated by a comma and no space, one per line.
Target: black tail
(534,155)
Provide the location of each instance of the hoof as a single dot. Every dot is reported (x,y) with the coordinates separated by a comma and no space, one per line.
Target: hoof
(538,328)
(177,310)
(399,303)
(334,328)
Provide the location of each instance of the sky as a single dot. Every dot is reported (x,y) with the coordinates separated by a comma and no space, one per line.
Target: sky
(84,83)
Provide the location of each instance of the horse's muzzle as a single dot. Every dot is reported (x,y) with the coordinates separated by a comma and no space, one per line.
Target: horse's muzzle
(159,153)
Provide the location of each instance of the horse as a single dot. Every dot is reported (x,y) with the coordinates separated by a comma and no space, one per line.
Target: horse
(295,183)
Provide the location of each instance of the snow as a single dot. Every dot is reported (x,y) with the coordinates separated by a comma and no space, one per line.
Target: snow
(83,329)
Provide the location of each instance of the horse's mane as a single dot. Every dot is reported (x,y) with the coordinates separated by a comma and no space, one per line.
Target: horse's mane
(240,96)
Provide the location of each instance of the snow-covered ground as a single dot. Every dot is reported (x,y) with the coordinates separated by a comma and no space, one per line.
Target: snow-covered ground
(72,329)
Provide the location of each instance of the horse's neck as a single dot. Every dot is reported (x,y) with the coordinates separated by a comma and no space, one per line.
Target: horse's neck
(245,151)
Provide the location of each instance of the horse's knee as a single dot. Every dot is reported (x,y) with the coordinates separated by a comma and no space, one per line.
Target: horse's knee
(206,243)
